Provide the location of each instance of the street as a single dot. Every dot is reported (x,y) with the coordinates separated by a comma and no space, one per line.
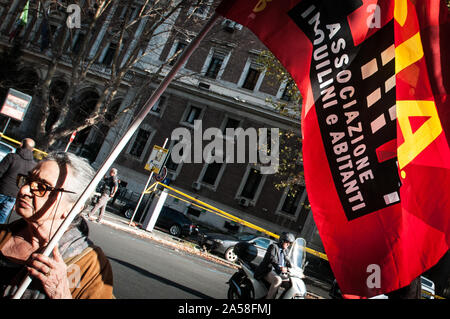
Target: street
(144,269)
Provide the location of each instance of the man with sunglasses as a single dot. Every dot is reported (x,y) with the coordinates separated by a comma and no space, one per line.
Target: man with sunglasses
(77,268)
(20,162)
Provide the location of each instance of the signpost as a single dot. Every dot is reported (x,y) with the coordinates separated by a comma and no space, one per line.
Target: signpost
(72,137)
(15,106)
(157,159)
(155,164)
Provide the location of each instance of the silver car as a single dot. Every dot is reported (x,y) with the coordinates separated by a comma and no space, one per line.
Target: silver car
(224,244)
(5,149)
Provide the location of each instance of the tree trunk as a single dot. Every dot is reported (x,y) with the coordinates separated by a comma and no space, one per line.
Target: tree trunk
(44,89)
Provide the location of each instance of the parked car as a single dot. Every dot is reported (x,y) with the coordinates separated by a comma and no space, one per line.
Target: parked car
(129,206)
(176,223)
(5,149)
(224,244)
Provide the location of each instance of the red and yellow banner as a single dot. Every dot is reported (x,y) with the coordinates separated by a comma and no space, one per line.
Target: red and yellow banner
(375,125)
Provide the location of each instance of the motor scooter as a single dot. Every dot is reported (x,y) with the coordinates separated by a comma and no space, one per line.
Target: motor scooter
(243,285)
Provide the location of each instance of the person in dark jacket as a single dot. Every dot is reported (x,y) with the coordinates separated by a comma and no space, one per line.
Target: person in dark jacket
(274,263)
(13,164)
(109,189)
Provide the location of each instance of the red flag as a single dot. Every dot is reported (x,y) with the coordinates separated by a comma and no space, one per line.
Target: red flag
(376,154)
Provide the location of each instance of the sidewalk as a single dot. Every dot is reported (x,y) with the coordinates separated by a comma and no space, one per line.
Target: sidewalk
(115,221)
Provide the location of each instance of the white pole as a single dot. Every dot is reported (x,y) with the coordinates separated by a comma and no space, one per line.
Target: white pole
(145,188)
(6,126)
(156,211)
(72,137)
(116,151)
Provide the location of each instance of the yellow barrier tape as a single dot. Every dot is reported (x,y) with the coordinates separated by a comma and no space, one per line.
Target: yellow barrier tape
(223,214)
(150,190)
(430,294)
(241,221)
(41,153)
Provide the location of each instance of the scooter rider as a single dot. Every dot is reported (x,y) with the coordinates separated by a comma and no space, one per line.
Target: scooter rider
(274,263)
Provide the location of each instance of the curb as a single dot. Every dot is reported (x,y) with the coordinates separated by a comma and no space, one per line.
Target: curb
(172,244)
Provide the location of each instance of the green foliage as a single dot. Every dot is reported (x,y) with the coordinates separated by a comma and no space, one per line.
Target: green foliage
(290,171)
(290,105)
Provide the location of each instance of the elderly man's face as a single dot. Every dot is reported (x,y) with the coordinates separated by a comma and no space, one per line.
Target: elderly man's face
(35,208)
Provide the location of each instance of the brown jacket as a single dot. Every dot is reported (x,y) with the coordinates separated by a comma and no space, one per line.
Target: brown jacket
(95,272)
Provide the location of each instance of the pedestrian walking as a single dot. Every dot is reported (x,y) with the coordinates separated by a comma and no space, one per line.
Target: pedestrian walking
(20,162)
(108,190)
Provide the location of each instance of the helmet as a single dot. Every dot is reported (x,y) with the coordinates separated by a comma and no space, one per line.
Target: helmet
(287,237)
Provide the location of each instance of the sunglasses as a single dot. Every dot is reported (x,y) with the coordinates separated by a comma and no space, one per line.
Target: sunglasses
(37,188)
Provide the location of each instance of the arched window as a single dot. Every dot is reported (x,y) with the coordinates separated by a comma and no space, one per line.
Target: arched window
(27,81)
(84,105)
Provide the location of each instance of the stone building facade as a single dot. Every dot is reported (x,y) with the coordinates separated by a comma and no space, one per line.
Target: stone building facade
(221,86)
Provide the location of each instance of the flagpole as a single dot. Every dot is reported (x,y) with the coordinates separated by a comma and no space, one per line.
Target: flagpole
(118,149)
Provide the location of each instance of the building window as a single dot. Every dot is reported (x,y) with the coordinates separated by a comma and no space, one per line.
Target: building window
(215,63)
(251,78)
(170,164)
(140,142)
(192,114)
(252,75)
(293,203)
(230,26)
(109,54)
(211,173)
(231,123)
(286,96)
(201,10)
(76,47)
(174,168)
(251,184)
(306,206)
(176,51)
(159,105)
(214,67)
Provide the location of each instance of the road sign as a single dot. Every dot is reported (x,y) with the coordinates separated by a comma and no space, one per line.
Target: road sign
(157,159)
(162,175)
(72,137)
(16,105)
